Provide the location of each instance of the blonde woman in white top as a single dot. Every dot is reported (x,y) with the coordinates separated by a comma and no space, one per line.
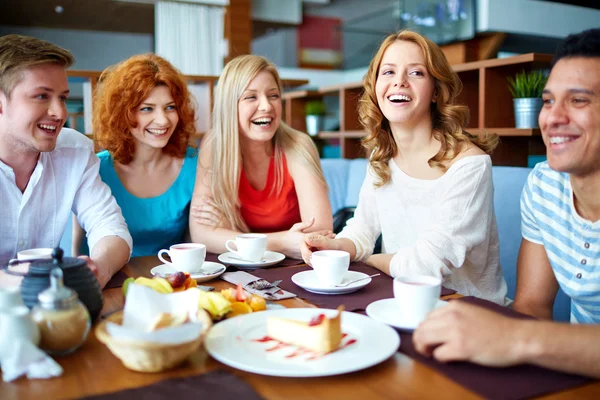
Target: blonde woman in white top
(428,188)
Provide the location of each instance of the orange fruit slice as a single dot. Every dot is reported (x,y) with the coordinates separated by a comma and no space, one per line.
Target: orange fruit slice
(257,303)
(239,308)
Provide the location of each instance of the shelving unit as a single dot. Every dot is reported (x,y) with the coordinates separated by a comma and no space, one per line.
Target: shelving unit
(485,92)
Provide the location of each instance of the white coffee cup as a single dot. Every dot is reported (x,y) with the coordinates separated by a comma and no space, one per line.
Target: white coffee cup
(185,257)
(330,266)
(34,254)
(417,296)
(249,246)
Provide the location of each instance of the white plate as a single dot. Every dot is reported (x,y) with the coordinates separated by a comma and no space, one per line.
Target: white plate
(307,280)
(210,270)
(233,342)
(270,258)
(388,312)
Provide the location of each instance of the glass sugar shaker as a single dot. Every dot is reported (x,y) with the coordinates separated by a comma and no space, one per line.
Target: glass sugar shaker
(64,321)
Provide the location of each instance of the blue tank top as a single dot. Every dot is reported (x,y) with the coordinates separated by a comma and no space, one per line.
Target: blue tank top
(158,222)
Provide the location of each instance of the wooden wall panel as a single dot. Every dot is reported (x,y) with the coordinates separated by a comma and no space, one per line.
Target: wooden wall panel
(238,27)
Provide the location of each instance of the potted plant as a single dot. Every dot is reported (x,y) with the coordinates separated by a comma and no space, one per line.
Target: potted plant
(315,111)
(526,89)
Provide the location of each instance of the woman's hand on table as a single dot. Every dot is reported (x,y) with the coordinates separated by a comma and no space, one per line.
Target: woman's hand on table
(290,242)
(325,240)
(207,213)
(464,332)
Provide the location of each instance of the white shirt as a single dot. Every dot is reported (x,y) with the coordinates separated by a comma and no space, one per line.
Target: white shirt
(443,227)
(64,180)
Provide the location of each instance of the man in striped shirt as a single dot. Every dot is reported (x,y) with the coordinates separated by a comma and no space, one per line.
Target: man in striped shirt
(560,210)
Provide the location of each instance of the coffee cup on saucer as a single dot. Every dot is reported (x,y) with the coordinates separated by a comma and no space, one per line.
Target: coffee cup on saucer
(185,257)
(34,254)
(248,246)
(330,266)
(416,296)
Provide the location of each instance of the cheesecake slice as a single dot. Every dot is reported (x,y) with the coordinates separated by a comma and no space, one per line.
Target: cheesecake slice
(321,335)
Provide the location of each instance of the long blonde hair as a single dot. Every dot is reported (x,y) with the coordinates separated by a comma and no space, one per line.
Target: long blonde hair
(449,119)
(224,140)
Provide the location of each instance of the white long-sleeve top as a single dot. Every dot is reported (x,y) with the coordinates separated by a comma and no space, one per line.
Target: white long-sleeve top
(64,180)
(443,227)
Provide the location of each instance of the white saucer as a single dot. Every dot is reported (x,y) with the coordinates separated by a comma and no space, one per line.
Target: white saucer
(307,280)
(270,258)
(388,312)
(210,270)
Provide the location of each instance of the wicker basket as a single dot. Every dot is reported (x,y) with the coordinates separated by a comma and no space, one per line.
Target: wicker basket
(148,356)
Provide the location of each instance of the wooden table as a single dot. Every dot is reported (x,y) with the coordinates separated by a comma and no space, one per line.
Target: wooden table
(93,370)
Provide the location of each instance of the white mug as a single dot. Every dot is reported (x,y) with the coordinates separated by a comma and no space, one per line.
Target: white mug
(34,254)
(249,246)
(10,297)
(185,257)
(417,296)
(330,266)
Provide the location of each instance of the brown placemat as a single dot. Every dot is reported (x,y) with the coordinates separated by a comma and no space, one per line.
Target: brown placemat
(117,280)
(213,385)
(286,262)
(381,287)
(517,382)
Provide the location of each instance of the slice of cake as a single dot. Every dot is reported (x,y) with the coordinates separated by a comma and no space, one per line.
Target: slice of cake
(321,335)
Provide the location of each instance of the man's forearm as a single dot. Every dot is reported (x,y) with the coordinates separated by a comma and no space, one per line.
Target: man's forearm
(570,348)
(110,254)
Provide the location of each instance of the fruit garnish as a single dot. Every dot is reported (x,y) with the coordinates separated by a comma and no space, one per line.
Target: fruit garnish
(239,308)
(229,294)
(240,295)
(126,285)
(257,303)
(215,303)
(176,279)
(316,320)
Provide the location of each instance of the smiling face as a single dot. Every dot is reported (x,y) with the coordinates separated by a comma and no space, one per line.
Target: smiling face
(156,119)
(32,117)
(259,108)
(570,117)
(404,87)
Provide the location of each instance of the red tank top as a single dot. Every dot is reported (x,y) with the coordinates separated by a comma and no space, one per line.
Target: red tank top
(266,212)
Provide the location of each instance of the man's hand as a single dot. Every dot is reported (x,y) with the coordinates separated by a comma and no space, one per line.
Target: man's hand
(464,332)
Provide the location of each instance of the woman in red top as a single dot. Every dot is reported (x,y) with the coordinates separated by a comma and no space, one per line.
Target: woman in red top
(255,173)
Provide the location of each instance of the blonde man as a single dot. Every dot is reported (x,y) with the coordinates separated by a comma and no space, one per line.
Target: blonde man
(46,176)
(255,173)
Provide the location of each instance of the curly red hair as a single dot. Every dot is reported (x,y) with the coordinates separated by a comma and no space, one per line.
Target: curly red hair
(122,89)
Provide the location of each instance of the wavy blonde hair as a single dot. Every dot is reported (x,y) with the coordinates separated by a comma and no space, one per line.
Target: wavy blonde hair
(223,139)
(448,118)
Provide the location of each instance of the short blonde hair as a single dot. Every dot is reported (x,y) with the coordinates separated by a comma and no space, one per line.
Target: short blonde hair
(449,119)
(18,53)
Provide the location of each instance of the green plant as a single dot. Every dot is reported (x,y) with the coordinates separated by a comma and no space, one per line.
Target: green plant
(315,107)
(527,84)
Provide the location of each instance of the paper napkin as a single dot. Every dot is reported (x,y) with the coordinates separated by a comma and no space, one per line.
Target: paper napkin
(24,358)
(245,278)
(143,305)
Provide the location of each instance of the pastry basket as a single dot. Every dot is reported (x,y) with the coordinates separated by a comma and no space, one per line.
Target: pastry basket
(149,356)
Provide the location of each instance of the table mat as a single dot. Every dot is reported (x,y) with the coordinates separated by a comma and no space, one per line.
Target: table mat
(212,385)
(380,287)
(517,382)
(286,262)
(117,280)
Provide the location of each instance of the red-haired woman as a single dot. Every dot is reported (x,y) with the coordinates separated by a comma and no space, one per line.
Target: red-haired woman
(144,117)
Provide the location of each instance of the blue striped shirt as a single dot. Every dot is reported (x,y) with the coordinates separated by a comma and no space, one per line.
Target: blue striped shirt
(549,218)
